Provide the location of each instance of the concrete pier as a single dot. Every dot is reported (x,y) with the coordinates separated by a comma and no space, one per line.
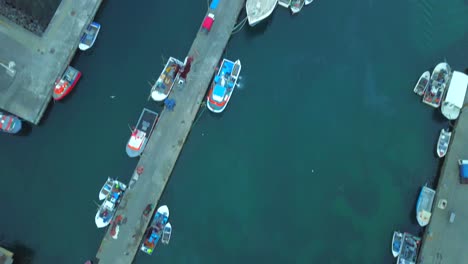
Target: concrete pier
(444,240)
(172,129)
(40,61)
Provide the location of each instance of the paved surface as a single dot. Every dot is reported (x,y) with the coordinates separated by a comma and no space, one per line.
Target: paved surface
(445,242)
(258,10)
(171,131)
(40,60)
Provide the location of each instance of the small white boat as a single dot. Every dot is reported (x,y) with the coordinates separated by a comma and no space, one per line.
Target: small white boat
(397,240)
(163,86)
(443,142)
(258,10)
(409,249)
(440,77)
(455,96)
(296,6)
(166,235)
(89,36)
(284,3)
(109,206)
(424,206)
(106,188)
(308,2)
(422,83)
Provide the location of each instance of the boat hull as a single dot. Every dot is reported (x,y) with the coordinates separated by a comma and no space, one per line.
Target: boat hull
(454,97)
(443,143)
(422,83)
(108,208)
(256,13)
(424,206)
(307,2)
(296,6)
(396,243)
(106,188)
(284,3)
(167,231)
(145,124)
(223,85)
(94,29)
(76,75)
(153,234)
(10,124)
(437,85)
(163,86)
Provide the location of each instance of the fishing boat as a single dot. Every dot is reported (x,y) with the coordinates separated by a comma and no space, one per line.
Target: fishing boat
(296,6)
(396,243)
(284,3)
(439,80)
(166,234)
(223,85)
(308,2)
(153,233)
(163,86)
(455,96)
(89,36)
(10,123)
(141,133)
(409,249)
(106,188)
(422,83)
(66,83)
(109,206)
(258,10)
(424,205)
(443,142)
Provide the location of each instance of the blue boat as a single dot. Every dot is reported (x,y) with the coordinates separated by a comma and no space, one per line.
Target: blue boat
(10,123)
(154,232)
(223,85)
(89,36)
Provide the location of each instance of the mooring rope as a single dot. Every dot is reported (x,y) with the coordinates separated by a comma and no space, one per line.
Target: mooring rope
(203,104)
(239,26)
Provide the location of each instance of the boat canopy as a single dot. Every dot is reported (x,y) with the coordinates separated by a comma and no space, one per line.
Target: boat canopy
(218,92)
(457,89)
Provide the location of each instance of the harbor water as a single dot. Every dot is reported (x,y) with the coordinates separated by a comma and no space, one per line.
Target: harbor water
(318,157)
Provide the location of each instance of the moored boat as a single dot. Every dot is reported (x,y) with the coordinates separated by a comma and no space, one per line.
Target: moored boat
(166,234)
(66,83)
(109,206)
(106,188)
(409,249)
(308,2)
(397,240)
(284,3)
(153,233)
(443,142)
(439,80)
(89,36)
(258,10)
(296,6)
(455,96)
(223,85)
(141,133)
(10,123)
(422,83)
(163,86)
(424,205)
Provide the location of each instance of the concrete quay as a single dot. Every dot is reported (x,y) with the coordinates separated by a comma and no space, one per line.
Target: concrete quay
(443,241)
(40,61)
(167,140)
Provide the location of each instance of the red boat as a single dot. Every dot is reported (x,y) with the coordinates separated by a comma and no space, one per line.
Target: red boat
(208,22)
(66,84)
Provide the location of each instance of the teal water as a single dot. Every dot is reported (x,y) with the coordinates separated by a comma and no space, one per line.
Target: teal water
(317,158)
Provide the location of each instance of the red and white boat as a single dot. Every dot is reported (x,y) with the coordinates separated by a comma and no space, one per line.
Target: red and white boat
(66,84)
(141,133)
(223,85)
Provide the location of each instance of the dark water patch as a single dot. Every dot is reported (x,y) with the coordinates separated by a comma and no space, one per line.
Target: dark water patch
(22,253)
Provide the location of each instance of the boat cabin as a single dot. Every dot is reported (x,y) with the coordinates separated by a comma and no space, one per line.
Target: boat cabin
(455,96)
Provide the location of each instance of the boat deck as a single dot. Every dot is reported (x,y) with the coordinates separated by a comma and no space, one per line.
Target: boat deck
(40,61)
(147,119)
(443,242)
(258,10)
(164,146)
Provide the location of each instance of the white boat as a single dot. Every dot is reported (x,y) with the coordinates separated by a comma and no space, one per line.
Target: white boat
(424,205)
(109,206)
(409,249)
(440,78)
(284,3)
(422,83)
(443,142)
(106,188)
(141,133)
(166,234)
(296,6)
(163,86)
(224,83)
(154,231)
(89,36)
(258,10)
(455,96)
(397,240)
(308,2)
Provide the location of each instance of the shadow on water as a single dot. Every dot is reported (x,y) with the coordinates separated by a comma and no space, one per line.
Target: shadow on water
(26,129)
(258,29)
(47,112)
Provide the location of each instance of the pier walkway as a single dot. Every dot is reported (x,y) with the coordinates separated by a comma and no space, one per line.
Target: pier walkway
(445,242)
(172,129)
(40,60)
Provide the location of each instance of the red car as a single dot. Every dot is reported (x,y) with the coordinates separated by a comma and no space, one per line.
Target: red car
(208,22)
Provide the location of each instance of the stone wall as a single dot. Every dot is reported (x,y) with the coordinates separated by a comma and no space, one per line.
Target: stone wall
(34,15)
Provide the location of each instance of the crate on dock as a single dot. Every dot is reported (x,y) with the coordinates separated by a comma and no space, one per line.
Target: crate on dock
(463,171)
